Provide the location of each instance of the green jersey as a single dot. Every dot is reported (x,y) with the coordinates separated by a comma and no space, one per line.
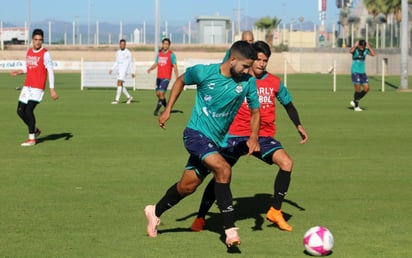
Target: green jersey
(218,99)
(358,60)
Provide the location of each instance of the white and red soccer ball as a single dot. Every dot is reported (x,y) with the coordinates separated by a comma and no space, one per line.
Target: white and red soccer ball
(318,241)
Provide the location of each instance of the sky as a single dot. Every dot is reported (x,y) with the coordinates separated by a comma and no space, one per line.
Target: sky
(174,12)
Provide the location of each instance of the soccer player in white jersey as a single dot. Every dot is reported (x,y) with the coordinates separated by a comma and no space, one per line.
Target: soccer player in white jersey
(39,66)
(123,67)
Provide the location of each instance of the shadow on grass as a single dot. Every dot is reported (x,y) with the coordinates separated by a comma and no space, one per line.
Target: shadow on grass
(245,208)
(53,137)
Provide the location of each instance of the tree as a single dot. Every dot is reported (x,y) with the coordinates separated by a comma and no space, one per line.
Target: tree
(268,25)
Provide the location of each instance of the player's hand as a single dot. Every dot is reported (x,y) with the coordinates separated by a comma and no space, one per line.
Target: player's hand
(253,144)
(133,75)
(164,116)
(303,134)
(110,71)
(53,94)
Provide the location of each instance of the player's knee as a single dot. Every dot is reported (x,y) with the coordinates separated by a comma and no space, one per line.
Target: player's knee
(286,164)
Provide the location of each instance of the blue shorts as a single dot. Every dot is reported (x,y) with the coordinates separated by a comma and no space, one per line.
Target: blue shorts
(360,78)
(162,84)
(237,147)
(199,147)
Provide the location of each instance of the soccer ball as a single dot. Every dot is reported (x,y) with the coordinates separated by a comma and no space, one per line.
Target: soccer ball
(318,241)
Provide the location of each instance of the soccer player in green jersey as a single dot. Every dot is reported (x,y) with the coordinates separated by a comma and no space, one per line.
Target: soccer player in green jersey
(221,90)
(359,78)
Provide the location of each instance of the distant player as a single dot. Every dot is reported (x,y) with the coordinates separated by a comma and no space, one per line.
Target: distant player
(39,66)
(165,63)
(123,67)
(359,78)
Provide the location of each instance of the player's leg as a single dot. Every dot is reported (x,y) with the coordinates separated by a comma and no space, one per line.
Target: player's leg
(26,112)
(161,89)
(237,148)
(222,173)
(273,153)
(119,89)
(122,78)
(356,80)
(186,186)
(208,198)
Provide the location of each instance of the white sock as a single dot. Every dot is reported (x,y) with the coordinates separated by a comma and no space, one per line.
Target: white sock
(118,92)
(32,136)
(126,92)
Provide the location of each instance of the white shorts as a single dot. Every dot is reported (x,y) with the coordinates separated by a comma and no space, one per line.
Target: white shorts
(121,76)
(29,93)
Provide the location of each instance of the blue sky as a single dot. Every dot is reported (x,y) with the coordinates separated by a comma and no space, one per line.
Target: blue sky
(173,11)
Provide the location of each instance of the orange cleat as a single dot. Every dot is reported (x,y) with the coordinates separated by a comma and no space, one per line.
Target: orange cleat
(276,217)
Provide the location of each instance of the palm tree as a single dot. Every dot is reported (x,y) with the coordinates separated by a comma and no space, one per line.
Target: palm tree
(268,24)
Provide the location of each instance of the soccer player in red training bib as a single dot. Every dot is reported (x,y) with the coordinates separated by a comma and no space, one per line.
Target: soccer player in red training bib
(271,151)
(39,66)
(165,63)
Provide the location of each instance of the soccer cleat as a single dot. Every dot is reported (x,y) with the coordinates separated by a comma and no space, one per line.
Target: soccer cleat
(152,220)
(276,217)
(114,102)
(198,224)
(156,113)
(352,103)
(232,237)
(37,133)
(29,142)
(129,100)
(358,109)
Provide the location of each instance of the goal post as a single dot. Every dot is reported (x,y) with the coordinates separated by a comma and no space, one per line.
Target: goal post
(96,75)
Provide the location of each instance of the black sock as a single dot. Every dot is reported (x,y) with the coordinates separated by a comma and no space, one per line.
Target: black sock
(158,105)
(282,182)
(356,98)
(362,94)
(224,201)
(170,199)
(207,199)
(163,102)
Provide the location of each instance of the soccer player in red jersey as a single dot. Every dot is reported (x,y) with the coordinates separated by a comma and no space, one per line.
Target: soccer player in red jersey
(166,63)
(269,89)
(39,66)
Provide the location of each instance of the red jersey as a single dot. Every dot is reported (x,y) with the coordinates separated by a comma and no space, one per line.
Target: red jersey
(36,70)
(165,62)
(267,87)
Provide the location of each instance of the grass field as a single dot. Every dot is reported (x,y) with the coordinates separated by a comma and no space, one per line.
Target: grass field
(81,191)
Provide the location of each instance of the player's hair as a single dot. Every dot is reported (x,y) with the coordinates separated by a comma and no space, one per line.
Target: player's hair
(362,43)
(122,40)
(38,32)
(262,47)
(166,39)
(242,49)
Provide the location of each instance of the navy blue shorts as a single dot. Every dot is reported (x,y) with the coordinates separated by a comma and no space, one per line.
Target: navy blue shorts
(237,147)
(360,78)
(162,84)
(199,147)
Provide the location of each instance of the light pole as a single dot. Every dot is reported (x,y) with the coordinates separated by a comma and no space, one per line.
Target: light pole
(28,22)
(157,24)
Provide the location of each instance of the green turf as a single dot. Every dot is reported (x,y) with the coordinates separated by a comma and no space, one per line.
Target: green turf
(81,191)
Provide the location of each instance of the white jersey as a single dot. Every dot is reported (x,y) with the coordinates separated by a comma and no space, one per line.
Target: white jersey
(124,63)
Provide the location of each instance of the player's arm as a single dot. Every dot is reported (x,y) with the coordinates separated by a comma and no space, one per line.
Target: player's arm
(371,50)
(48,63)
(173,96)
(253,141)
(16,72)
(352,49)
(174,63)
(294,116)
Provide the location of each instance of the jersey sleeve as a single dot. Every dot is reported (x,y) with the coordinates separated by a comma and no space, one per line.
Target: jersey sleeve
(173,59)
(252,97)
(193,75)
(48,63)
(283,95)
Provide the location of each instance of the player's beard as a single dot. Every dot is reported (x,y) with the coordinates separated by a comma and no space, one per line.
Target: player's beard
(235,74)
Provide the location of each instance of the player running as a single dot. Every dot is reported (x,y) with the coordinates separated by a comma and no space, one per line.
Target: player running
(271,151)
